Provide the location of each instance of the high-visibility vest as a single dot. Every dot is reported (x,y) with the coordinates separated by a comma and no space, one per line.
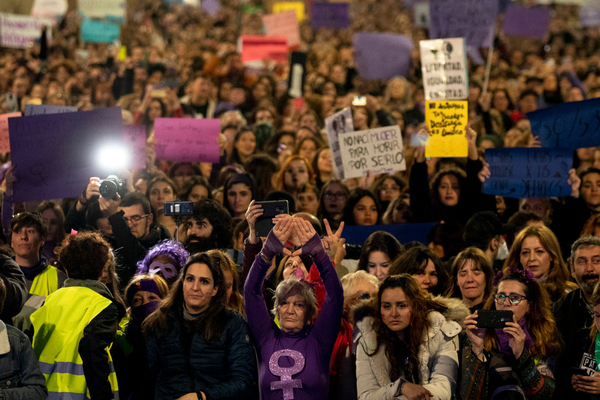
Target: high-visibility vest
(45,282)
(58,329)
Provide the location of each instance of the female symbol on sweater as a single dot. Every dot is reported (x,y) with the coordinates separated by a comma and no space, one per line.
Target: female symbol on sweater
(287,384)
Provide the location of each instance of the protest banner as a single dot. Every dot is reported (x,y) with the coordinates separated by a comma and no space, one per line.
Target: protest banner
(212,7)
(405,233)
(531,22)
(382,55)
(378,150)
(55,154)
(337,124)
(589,14)
(444,67)
(50,9)
(297,75)
(20,31)
(330,15)
(284,24)
(4,141)
(42,109)
(297,6)
(187,139)
(134,137)
(99,32)
(569,125)
(422,17)
(528,172)
(255,49)
(102,8)
(446,121)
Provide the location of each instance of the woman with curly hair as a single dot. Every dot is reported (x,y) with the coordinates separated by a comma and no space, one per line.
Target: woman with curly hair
(165,259)
(233,299)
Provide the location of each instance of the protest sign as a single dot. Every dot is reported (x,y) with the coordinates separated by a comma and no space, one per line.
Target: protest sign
(50,9)
(444,66)
(421,11)
(378,150)
(531,22)
(403,232)
(330,15)
(42,109)
(99,32)
(284,24)
(102,8)
(297,6)
(211,6)
(187,139)
(257,48)
(4,142)
(134,137)
(382,55)
(569,125)
(589,15)
(20,31)
(473,20)
(297,75)
(528,172)
(446,121)
(55,154)
(338,123)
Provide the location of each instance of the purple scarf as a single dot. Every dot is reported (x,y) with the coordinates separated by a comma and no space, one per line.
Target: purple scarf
(504,337)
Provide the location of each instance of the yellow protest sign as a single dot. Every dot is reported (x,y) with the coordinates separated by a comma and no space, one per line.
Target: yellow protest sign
(297,6)
(122,53)
(446,121)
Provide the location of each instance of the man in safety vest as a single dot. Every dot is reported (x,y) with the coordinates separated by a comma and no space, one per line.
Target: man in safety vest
(77,324)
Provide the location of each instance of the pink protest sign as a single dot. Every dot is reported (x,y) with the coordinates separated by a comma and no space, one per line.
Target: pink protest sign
(284,24)
(4,142)
(257,48)
(187,139)
(135,139)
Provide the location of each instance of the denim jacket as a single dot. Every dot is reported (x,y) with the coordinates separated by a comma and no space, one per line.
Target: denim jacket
(20,375)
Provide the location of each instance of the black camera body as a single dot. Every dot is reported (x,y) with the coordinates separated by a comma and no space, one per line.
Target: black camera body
(110,186)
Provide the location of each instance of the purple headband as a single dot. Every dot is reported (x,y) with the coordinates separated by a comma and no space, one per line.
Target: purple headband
(527,275)
(146,285)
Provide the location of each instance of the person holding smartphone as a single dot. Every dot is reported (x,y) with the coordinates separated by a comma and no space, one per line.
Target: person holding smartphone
(517,360)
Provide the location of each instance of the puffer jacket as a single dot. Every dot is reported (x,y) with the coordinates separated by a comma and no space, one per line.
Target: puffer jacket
(438,358)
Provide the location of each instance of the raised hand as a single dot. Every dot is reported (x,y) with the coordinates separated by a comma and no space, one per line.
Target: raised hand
(254,211)
(332,243)
(305,234)
(474,334)
(517,337)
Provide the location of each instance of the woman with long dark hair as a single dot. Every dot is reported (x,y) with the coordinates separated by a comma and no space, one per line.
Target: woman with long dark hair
(425,267)
(378,254)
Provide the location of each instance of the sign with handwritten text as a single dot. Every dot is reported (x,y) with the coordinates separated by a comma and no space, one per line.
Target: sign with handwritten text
(42,109)
(187,139)
(444,66)
(21,31)
(377,150)
(135,140)
(528,172)
(569,125)
(446,121)
(338,123)
(283,24)
(4,142)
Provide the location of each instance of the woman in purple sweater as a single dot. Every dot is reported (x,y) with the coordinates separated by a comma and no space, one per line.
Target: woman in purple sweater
(293,362)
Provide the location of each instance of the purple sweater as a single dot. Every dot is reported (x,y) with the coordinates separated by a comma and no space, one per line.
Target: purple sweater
(294,365)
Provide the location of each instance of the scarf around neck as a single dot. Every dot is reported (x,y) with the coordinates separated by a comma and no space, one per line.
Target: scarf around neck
(504,338)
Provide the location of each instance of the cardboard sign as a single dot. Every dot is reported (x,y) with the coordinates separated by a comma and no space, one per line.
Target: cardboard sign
(102,8)
(257,48)
(378,150)
(135,138)
(297,6)
(20,31)
(339,123)
(446,121)
(43,109)
(99,32)
(330,15)
(569,125)
(528,172)
(444,66)
(54,155)
(382,55)
(531,22)
(284,24)
(50,9)
(4,141)
(187,139)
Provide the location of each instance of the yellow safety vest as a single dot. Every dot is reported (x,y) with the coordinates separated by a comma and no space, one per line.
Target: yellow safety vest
(58,329)
(45,282)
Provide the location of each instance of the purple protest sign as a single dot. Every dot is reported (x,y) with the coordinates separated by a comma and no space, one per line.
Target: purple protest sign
(135,139)
(211,6)
(55,154)
(330,15)
(187,139)
(382,55)
(531,22)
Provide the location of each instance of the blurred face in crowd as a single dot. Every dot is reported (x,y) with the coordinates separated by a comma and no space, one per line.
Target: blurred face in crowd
(308,150)
(585,268)
(334,199)
(536,206)
(239,197)
(449,190)
(590,189)
(19,87)
(528,104)
(26,242)
(198,288)
(575,94)
(155,110)
(310,121)
(182,174)
(360,119)
(395,309)
(294,266)
(507,288)
(198,193)
(365,212)
(379,265)
(295,175)
(308,202)
(500,101)
(159,193)
(389,190)
(428,278)
(200,89)
(264,116)
(324,163)
(246,144)
(228,278)
(471,281)
(142,297)
(535,257)
(137,221)
(51,221)
(199,227)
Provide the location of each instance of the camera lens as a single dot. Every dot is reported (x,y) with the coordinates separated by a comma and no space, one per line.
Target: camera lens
(108,189)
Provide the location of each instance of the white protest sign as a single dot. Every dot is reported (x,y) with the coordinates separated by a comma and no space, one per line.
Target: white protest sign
(102,8)
(377,150)
(340,122)
(20,31)
(421,11)
(52,9)
(444,66)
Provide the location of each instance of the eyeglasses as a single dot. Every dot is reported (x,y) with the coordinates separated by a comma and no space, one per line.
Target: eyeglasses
(135,219)
(582,261)
(514,299)
(338,195)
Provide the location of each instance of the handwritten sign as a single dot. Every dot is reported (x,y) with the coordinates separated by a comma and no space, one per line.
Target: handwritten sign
(330,15)
(382,55)
(135,139)
(568,125)
(444,66)
(377,150)
(102,8)
(339,123)
(20,31)
(446,121)
(531,22)
(528,172)
(55,154)
(187,139)
(51,9)
(43,109)
(256,48)
(284,24)
(93,31)
(297,6)
(589,16)
(4,142)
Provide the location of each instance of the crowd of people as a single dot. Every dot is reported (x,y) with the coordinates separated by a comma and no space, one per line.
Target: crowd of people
(110,297)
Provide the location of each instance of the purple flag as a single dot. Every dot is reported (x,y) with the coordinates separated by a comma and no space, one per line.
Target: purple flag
(531,22)
(55,154)
(472,19)
(211,6)
(330,15)
(382,55)
(187,139)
